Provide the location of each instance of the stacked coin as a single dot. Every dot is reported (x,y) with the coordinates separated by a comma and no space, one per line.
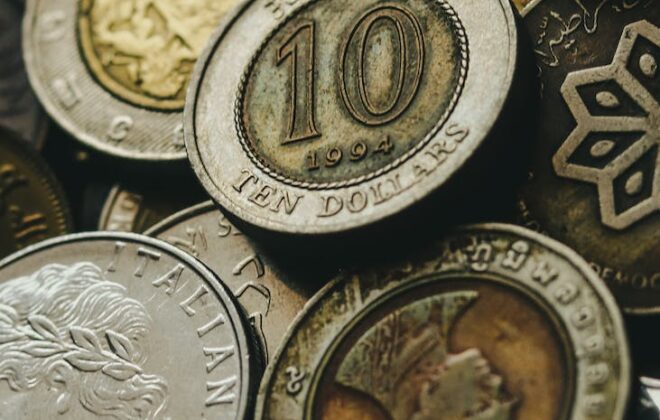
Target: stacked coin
(330,209)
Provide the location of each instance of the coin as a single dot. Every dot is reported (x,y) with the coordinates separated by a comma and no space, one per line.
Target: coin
(336,114)
(19,109)
(648,407)
(122,326)
(114,73)
(137,209)
(595,168)
(492,322)
(271,295)
(32,204)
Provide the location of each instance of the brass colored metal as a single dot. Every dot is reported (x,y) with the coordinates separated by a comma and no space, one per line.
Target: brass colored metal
(595,181)
(32,204)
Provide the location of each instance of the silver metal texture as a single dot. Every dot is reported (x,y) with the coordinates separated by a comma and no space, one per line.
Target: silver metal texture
(119,325)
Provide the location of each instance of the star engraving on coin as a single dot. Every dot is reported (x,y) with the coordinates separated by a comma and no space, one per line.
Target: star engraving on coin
(615,144)
(70,327)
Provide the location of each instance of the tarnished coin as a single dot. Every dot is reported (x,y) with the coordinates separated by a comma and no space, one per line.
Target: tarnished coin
(19,109)
(317,116)
(493,322)
(596,165)
(119,326)
(270,295)
(136,210)
(32,204)
(114,73)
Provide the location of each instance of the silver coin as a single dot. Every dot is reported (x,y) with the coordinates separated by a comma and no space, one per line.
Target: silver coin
(271,296)
(335,114)
(119,326)
(491,322)
(114,73)
(19,109)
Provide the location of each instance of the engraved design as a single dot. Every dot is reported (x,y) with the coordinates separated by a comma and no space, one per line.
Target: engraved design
(404,363)
(67,329)
(144,50)
(239,120)
(616,141)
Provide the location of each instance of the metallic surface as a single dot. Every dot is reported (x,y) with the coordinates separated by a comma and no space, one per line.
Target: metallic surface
(19,109)
(595,182)
(106,93)
(122,326)
(32,204)
(492,322)
(329,121)
(271,295)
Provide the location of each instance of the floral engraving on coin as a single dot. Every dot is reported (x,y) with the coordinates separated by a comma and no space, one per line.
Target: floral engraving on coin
(144,50)
(68,334)
(616,142)
(403,362)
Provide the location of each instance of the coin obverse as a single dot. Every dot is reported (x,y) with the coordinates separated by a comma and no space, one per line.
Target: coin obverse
(114,72)
(271,297)
(122,326)
(595,181)
(493,322)
(323,115)
(33,206)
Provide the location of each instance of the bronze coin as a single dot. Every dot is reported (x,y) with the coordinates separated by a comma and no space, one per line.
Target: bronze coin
(595,182)
(32,204)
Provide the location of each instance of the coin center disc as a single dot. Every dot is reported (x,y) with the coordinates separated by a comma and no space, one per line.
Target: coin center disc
(343,91)
(144,51)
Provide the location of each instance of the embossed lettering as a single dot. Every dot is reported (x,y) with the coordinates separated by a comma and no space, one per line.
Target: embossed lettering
(186,305)
(220,391)
(145,255)
(171,280)
(217,322)
(66,90)
(217,355)
(119,128)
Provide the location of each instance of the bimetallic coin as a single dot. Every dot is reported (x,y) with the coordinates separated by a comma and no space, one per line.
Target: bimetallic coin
(492,322)
(596,165)
(19,109)
(119,325)
(32,204)
(270,295)
(114,73)
(335,114)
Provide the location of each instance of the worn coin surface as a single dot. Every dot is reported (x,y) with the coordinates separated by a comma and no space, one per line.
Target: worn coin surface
(19,109)
(493,322)
(32,204)
(114,72)
(137,209)
(595,181)
(270,295)
(122,326)
(319,116)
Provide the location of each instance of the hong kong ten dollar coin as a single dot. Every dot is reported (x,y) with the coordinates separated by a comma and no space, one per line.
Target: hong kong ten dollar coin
(319,116)
(492,322)
(595,182)
(121,326)
(114,73)
(33,206)
(271,295)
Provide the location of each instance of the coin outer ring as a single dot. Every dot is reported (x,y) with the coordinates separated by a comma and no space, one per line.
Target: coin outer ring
(97,108)
(231,159)
(239,326)
(560,249)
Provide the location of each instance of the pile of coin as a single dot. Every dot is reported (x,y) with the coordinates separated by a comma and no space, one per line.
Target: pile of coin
(330,209)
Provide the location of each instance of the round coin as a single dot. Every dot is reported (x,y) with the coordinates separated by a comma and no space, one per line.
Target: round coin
(32,204)
(335,114)
(596,165)
(122,326)
(114,73)
(270,295)
(492,322)
(19,109)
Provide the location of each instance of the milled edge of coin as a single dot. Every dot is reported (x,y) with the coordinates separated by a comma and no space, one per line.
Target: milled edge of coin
(60,118)
(108,205)
(248,362)
(356,221)
(624,390)
(45,173)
